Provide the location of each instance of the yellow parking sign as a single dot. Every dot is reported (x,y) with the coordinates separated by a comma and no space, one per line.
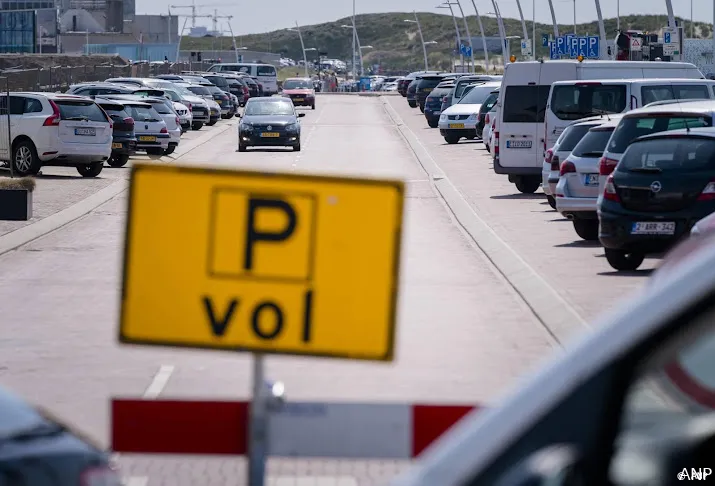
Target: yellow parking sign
(271,263)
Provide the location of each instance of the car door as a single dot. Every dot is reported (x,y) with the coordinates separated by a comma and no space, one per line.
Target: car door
(4,132)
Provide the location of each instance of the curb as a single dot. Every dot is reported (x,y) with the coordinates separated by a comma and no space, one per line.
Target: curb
(33,231)
(557,316)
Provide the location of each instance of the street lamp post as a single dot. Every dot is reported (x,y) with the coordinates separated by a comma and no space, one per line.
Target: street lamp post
(484,39)
(422,39)
(502,32)
(469,36)
(355,38)
(456,29)
(523,22)
(302,46)
(553,19)
(601,31)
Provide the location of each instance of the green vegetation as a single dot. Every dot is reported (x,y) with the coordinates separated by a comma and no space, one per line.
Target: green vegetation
(396,42)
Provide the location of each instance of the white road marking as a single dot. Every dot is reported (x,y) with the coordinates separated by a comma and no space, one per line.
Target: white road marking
(161,378)
(136,481)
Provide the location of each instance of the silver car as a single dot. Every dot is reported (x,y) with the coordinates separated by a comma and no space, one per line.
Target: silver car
(577,189)
(151,130)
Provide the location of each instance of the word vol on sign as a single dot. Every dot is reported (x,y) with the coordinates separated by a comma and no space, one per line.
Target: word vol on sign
(271,263)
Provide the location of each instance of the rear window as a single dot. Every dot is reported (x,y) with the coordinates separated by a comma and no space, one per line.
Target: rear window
(143,114)
(116,113)
(669,155)
(633,127)
(78,110)
(266,71)
(573,102)
(161,108)
(218,81)
(199,90)
(650,94)
(439,92)
(525,104)
(489,103)
(459,89)
(593,144)
(572,135)
(158,83)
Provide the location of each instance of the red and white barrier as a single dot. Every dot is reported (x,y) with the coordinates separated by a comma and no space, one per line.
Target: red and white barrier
(299,429)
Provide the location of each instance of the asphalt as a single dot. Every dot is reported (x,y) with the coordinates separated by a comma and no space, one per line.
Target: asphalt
(479,267)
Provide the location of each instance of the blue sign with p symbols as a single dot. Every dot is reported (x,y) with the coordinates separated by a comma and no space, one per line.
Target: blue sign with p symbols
(594,47)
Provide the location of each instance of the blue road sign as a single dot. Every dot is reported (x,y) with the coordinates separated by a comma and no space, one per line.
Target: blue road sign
(666,38)
(553,51)
(573,46)
(462,48)
(468,51)
(561,45)
(582,47)
(594,46)
(544,40)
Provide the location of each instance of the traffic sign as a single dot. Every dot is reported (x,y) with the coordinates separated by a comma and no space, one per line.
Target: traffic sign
(573,46)
(636,44)
(594,46)
(468,51)
(561,47)
(582,49)
(669,36)
(544,40)
(553,50)
(270,263)
(670,49)
(462,49)
(525,47)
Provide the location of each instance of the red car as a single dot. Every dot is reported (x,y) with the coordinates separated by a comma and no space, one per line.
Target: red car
(300,91)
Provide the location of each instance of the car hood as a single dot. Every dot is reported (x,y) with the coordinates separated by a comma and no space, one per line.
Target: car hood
(195,100)
(179,106)
(270,119)
(301,91)
(462,109)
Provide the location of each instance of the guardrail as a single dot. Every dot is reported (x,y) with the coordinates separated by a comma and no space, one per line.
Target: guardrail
(59,78)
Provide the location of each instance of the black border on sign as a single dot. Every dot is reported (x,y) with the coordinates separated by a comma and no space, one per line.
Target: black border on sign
(398,186)
(239,276)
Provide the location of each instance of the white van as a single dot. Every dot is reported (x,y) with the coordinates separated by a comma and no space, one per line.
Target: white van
(573,100)
(266,73)
(520,141)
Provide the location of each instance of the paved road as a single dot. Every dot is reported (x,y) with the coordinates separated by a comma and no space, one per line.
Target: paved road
(577,269)
(464,333)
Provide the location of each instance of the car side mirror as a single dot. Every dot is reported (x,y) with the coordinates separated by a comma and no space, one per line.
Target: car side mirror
(238,115)
(558,465)
(301,115)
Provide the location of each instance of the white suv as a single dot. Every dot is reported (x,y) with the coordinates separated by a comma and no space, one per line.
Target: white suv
(49,129)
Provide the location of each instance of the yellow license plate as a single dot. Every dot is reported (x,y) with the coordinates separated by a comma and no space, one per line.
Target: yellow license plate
(117,145)
(426,90)
(147,138)
(270,134)
(297,99)
(456,125)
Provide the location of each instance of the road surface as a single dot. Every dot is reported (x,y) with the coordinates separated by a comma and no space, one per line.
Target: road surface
(464,331)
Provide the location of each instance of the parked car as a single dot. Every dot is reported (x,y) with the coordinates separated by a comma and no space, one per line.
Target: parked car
(460,120)
(200,109)
(490,125)
(151,130)
(486,107)
(577,190)
(124,140)
(269,121)
(178,104)
(223,99)
(433,102)
(207,96)
(167,114)
(424,87)
(411,93)
(50,129)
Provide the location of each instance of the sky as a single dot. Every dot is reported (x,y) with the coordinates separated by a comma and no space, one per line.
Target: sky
(250,18)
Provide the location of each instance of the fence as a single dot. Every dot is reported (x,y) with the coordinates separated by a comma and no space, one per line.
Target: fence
(60,78)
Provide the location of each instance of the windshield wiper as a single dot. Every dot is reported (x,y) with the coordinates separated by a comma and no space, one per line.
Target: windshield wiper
(646,169)
(44,429)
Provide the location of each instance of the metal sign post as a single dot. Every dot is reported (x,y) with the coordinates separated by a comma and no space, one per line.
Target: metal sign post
(258,427)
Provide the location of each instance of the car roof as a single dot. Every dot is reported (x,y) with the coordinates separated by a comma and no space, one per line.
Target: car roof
(632,80)
(697,106)
(134,100)
(52,96)
(107,101)
(263,99)
(298,79)
(698,132)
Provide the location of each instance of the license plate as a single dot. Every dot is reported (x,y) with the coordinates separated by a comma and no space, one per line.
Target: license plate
(117,145)
(85,131)
(518,144)
(653,228)
(297,99)
(147,138)
(456,125)
(591,180)
(270,134)
(427,90)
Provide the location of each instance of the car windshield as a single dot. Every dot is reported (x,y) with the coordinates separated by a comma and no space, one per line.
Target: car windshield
(80,110)
(297,84)
(593,143)
(476,95)
(576,101)
(143,114)
(489,103)
(573,135)
(461,86)
(633,127)
(115,112)
(173,95)
(269,108)
(219,81)
(670,154)
(199,90)
(162,108)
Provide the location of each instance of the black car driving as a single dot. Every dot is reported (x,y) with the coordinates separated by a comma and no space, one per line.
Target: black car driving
(661,187)
(124,140)
(269,121)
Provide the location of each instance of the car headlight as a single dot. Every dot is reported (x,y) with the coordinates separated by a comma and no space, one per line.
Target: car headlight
(292,127)
(442,117)
(473,117)
(247,127)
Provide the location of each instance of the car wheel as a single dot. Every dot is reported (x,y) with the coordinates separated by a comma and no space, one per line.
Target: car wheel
(587,229)
(296,147)
(312,107)
(118,160)
(422,108)
(241,147)
(90,170)
(433,123)
(527,185)
(413,104)
(622,260)
(211,123)
(451,139)
(169,150)
(155,151)
(552,201)
(26,161)
(197,125)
